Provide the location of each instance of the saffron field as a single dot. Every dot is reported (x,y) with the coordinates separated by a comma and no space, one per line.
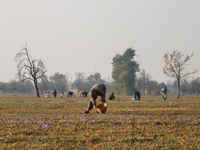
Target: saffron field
(27,122)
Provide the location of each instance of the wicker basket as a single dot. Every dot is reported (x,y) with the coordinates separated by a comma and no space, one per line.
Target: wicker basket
(101,108)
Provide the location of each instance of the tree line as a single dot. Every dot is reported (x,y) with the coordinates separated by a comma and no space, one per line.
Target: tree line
(144,84)
(125,78)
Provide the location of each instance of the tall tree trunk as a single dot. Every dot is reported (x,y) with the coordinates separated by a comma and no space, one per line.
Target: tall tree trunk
(36,88)
(178,89)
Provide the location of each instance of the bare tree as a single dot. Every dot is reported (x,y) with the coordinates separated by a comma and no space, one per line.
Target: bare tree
(80,79)
(175,66)
(29,69)
(143,81)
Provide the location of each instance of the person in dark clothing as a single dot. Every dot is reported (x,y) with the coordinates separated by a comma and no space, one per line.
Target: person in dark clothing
(97,90)
(85,94)
(70,93)
(111,96)
(54,93)
(137,95)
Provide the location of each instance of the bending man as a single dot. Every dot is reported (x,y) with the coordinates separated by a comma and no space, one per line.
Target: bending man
(97,90)
(137,95)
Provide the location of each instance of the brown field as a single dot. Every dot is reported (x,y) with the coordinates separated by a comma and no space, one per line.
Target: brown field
(27,122)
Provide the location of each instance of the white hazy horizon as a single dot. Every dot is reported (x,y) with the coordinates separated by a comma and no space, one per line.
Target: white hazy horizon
(84,36)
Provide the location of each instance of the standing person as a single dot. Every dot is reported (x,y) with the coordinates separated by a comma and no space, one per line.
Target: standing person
(54,93)
(137,95)
(47,95)
(164,92)
(111,96)
(81,93)
(97,90)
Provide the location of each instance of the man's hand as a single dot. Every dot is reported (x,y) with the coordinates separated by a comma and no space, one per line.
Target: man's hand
(101,102)
(96,110)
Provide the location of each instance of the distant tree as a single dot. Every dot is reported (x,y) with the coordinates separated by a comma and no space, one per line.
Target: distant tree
(59,82)
(195,86)
(80,79)
(29,69)
(171,87)
(124,72)
(94,79)
(13,86)
(143,81)
(3,87)
(109,85)
(152,87)
(44,85)
(184,86)
(25,87)
(175,67)
(85,86)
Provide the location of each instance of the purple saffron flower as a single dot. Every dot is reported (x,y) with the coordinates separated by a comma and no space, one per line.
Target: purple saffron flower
(45,126)
(113,126)
(189,123)
(178,119)
(34,121)
(87,141)
(93,121)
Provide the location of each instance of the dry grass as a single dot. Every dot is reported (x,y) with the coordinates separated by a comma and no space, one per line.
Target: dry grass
(27,122)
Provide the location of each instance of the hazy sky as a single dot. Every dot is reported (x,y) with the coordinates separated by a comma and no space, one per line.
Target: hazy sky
(81,35)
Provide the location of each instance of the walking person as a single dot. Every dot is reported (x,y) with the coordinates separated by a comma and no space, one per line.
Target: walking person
(54,93)
(97,90)
(164,92)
